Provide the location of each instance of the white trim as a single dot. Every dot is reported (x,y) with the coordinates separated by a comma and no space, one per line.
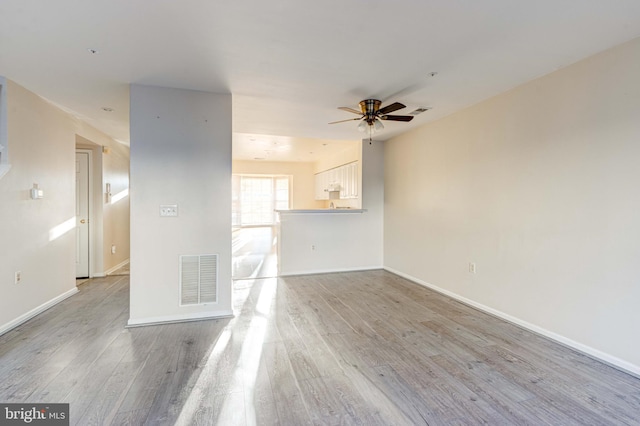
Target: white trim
(611,360)
(115,268)
(32,313)
(177,318)
(330,271)
(98,275)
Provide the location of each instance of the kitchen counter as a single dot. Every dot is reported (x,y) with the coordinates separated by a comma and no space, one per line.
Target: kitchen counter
(314,241)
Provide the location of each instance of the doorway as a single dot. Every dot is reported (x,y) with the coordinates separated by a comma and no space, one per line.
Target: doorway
(254,234)
(83,172)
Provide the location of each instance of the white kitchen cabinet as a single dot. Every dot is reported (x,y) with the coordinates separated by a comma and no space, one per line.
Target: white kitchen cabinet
(333,177)
(317,186)
(354,181)
(345,176)
(321,184)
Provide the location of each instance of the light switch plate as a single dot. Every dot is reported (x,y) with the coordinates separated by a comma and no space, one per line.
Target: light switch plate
(168,210)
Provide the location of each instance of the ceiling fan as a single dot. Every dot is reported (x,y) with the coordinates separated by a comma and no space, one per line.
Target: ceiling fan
(371,115)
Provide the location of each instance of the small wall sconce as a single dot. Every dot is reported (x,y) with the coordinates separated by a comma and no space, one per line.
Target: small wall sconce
(36,193)
(108,193)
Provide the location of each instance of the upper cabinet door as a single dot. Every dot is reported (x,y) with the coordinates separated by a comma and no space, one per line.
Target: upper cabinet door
(355,177)
(321,185)
(346,176)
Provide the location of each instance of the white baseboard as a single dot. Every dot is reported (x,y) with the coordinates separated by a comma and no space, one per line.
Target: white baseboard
(587,350)
(32,313)
(329,271)
(141,322)
(115,268)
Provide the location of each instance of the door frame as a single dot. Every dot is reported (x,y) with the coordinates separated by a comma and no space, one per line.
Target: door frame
(91,215)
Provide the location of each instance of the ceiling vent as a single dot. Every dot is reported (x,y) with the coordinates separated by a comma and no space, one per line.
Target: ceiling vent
(419,110)
(198,279)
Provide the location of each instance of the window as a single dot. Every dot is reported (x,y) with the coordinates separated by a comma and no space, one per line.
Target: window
(255,197)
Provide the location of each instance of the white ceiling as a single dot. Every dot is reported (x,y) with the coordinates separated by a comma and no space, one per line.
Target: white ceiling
(290,63)
(284,148)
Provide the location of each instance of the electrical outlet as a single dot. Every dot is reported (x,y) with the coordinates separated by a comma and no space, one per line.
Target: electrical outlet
(472,267)
(313,248)
(169,210)
(18,277)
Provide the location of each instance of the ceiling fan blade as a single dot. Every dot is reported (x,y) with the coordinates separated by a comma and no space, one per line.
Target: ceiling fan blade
(390,108)
(355,111)
(397,117)
(350,119)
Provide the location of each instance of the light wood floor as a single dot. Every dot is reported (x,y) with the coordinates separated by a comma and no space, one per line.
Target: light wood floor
(352,348)
(254,253)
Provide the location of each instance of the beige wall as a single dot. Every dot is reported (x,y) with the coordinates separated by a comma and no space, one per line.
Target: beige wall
(115,169)
(41,141)
(352,152)
(538,187)
(303,192)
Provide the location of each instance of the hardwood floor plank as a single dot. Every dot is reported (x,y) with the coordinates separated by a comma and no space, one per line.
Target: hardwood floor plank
(356,348)
(412,404)
(286,391)
(323,357)
(178,383)
(536,382)
(56,351)
(160,368)
(493,388)
(259,399)
(375,400)
(101,408)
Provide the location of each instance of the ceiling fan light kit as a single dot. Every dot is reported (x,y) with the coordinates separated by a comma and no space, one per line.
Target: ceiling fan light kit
(371,115)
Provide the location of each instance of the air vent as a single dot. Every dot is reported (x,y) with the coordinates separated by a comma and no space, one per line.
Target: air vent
(198,279)
(419,110)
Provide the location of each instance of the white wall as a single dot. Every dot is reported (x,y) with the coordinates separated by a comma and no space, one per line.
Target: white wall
(343,241)
(180,154)
(303,192)
(41,141)
(539,187)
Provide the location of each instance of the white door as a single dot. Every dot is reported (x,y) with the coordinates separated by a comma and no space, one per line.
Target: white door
(82,215)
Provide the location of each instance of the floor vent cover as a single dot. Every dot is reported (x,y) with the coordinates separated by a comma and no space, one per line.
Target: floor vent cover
(198,279)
